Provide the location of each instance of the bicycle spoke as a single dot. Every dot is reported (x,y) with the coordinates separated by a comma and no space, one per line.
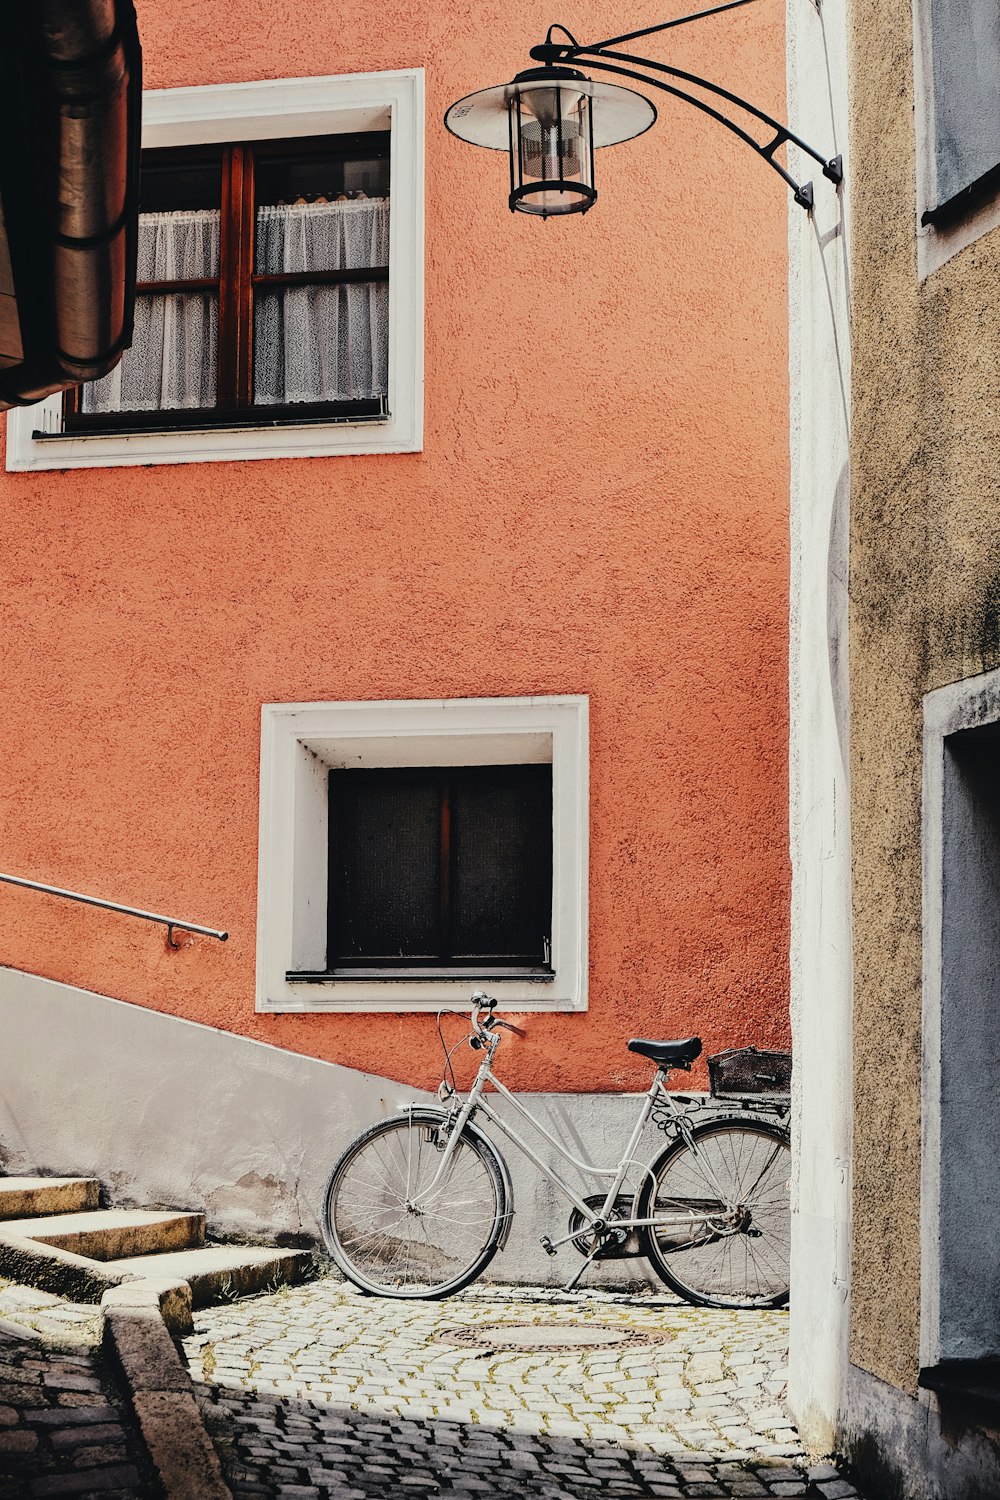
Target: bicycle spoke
(402,1220)
(735,1253)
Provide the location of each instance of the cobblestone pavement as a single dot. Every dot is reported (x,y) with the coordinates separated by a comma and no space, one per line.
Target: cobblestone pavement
(63,1428)
(318,1393)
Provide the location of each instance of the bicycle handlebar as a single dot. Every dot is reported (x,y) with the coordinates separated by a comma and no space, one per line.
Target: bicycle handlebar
(507,1026)
(483,1019)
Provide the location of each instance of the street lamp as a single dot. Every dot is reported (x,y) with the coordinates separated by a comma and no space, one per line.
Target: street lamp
(550,119)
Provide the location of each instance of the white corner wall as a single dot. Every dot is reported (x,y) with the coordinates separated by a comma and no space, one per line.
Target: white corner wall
(818,683)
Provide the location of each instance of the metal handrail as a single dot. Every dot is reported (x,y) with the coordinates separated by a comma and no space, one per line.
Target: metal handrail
(170,923)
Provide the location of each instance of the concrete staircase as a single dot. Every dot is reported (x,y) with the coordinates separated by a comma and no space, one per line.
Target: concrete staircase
(54,1234)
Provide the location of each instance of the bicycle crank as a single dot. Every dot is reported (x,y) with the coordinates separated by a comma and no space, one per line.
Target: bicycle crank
(605,1241)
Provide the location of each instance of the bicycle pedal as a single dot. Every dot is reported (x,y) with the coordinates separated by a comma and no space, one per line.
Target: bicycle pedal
(548,1246)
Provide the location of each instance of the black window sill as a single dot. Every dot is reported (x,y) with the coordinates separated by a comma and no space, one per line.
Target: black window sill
(387,976)
(970,1379)
(958,207)
(256,418)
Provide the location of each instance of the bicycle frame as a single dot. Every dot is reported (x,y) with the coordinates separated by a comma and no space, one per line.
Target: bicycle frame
(477,1101)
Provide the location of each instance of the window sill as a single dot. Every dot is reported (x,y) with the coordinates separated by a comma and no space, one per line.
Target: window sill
(294,438)
(969,1379)
(389,976)
(967,201)
(257,419)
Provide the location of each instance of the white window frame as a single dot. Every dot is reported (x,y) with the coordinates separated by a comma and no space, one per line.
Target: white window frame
(280,109)
(936,246)
(302,742)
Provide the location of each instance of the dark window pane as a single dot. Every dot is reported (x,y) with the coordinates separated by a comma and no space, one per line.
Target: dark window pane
(501,845)
(440,864)
(337,168)
(180,178)
(966,64)
(385,878)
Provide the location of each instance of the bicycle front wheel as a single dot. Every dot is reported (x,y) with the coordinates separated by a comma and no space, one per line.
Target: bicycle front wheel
(398,1225)
(733,1183)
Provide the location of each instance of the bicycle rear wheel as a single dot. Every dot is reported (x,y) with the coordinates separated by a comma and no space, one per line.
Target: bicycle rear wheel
(736,1165)
(394,1234)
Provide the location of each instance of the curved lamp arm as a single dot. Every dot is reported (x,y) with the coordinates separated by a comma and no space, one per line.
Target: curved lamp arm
(554,53)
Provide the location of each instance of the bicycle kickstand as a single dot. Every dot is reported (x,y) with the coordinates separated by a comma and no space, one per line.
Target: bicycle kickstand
(577,1275)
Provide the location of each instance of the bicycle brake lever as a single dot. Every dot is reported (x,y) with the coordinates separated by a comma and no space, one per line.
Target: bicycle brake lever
(508,1026)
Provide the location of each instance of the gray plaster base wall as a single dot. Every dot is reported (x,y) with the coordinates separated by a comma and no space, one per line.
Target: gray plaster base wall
(907,1448)
(169,1113)
(166,1112)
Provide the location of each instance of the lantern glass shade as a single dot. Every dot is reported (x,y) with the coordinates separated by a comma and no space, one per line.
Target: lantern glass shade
(551,151)
(550,120)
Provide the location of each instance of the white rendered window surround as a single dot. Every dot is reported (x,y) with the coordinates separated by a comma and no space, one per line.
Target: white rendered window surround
(280,109)
(936,245)
(302,742)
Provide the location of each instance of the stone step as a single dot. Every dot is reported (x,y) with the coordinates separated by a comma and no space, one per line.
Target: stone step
(112,1234)
(24,1197)
(217,1273)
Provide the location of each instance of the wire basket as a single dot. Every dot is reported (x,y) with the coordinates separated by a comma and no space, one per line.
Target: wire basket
(746,1073)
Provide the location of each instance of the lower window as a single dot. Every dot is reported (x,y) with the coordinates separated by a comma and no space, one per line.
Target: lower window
(441,868)
(411,850)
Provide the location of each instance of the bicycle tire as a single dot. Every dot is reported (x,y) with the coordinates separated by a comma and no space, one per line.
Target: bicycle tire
(745,1268)
(388,1250)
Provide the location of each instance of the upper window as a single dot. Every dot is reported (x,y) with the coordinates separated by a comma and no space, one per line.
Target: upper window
(410,850)
(278,306)
(957,84)
(262,289)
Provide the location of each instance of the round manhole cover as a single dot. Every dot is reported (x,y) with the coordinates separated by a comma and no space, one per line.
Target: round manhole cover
(549,1338)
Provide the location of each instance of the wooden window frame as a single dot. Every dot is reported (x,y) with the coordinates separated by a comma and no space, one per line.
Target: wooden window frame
(236,285)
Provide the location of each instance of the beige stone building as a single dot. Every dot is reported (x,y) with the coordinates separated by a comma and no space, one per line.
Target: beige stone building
(896,745)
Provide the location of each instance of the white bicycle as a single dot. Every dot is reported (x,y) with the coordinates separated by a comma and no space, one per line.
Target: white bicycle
(418,1205)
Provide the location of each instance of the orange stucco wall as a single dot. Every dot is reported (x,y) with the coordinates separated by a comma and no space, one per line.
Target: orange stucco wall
(600,508)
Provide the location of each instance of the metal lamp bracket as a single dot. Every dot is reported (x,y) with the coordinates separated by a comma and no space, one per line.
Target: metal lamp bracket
(626,65)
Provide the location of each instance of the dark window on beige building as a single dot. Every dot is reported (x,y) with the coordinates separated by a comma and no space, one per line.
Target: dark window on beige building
(965,55)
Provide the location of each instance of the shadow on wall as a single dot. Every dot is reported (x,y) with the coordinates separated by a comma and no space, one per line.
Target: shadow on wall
(837,602)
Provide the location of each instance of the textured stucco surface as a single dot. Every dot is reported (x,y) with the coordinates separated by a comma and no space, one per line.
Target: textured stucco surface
(600,508)
(925,548)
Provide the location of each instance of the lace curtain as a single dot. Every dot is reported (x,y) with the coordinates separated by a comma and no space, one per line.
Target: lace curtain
(322,343)
(172,362)
(311,343)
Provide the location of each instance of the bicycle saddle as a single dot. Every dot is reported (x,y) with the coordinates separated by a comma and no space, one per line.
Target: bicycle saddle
(668,1054)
